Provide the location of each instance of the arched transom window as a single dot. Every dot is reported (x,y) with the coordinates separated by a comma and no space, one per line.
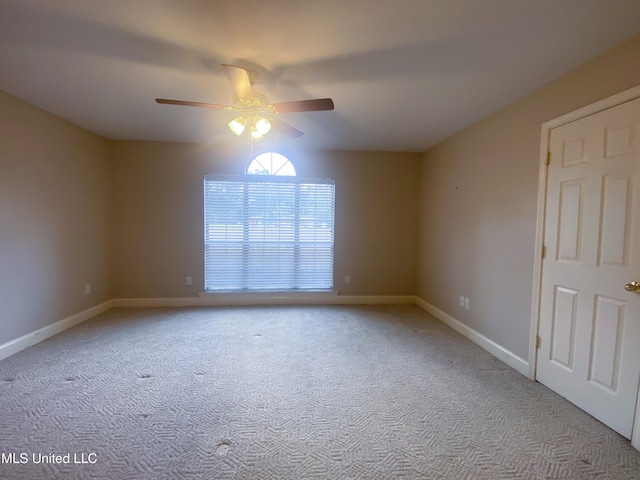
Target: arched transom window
(271,163)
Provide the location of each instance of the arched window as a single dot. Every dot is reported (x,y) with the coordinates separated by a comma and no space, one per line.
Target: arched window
(268,229)
(271,163)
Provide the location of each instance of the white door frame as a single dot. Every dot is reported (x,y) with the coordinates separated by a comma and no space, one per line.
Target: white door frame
(609,102)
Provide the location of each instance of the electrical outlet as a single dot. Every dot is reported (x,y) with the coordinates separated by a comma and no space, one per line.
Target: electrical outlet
(466,303)
(87,289)
(347,279)
(461,303)
(188,281)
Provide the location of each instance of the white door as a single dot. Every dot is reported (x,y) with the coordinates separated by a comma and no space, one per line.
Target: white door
(589,323)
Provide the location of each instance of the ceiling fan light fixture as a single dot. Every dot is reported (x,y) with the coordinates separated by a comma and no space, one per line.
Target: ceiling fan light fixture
(252,105)
(237,125)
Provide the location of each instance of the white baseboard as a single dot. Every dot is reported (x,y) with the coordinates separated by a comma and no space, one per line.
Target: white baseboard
(37,336)
(518,364)
(247,299)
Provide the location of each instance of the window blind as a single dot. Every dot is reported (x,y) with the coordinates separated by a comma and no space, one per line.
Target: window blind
(268,233)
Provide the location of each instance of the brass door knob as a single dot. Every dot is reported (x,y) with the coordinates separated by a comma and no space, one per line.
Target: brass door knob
(632,287)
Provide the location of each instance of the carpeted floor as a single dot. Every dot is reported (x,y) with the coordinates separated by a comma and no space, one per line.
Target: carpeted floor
(339,392)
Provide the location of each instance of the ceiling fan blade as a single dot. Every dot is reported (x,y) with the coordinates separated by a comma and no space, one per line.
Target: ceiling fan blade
(240,82)
(315,105)
(285,128)
(189,104)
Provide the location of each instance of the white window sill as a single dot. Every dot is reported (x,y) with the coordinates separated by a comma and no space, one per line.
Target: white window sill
(268,295)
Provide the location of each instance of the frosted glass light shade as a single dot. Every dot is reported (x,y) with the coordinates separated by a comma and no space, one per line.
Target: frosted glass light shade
(255,134)
(237,125)
(262,125)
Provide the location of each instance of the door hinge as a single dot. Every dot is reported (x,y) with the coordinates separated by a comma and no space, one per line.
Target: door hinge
(548,158)
(538,342)
(544,251)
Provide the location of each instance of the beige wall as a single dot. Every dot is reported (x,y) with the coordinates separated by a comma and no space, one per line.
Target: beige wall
(158,211)
(478,201)
(54,218)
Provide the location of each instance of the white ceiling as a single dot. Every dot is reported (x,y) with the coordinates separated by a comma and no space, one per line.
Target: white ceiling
(404,74)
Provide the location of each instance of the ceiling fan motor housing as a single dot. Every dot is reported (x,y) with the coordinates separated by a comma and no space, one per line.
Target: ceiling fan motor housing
(259,105)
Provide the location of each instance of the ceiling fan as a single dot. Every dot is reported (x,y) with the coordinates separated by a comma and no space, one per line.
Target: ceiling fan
(256,112)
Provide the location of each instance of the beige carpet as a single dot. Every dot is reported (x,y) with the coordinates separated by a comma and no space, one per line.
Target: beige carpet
(288,393)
